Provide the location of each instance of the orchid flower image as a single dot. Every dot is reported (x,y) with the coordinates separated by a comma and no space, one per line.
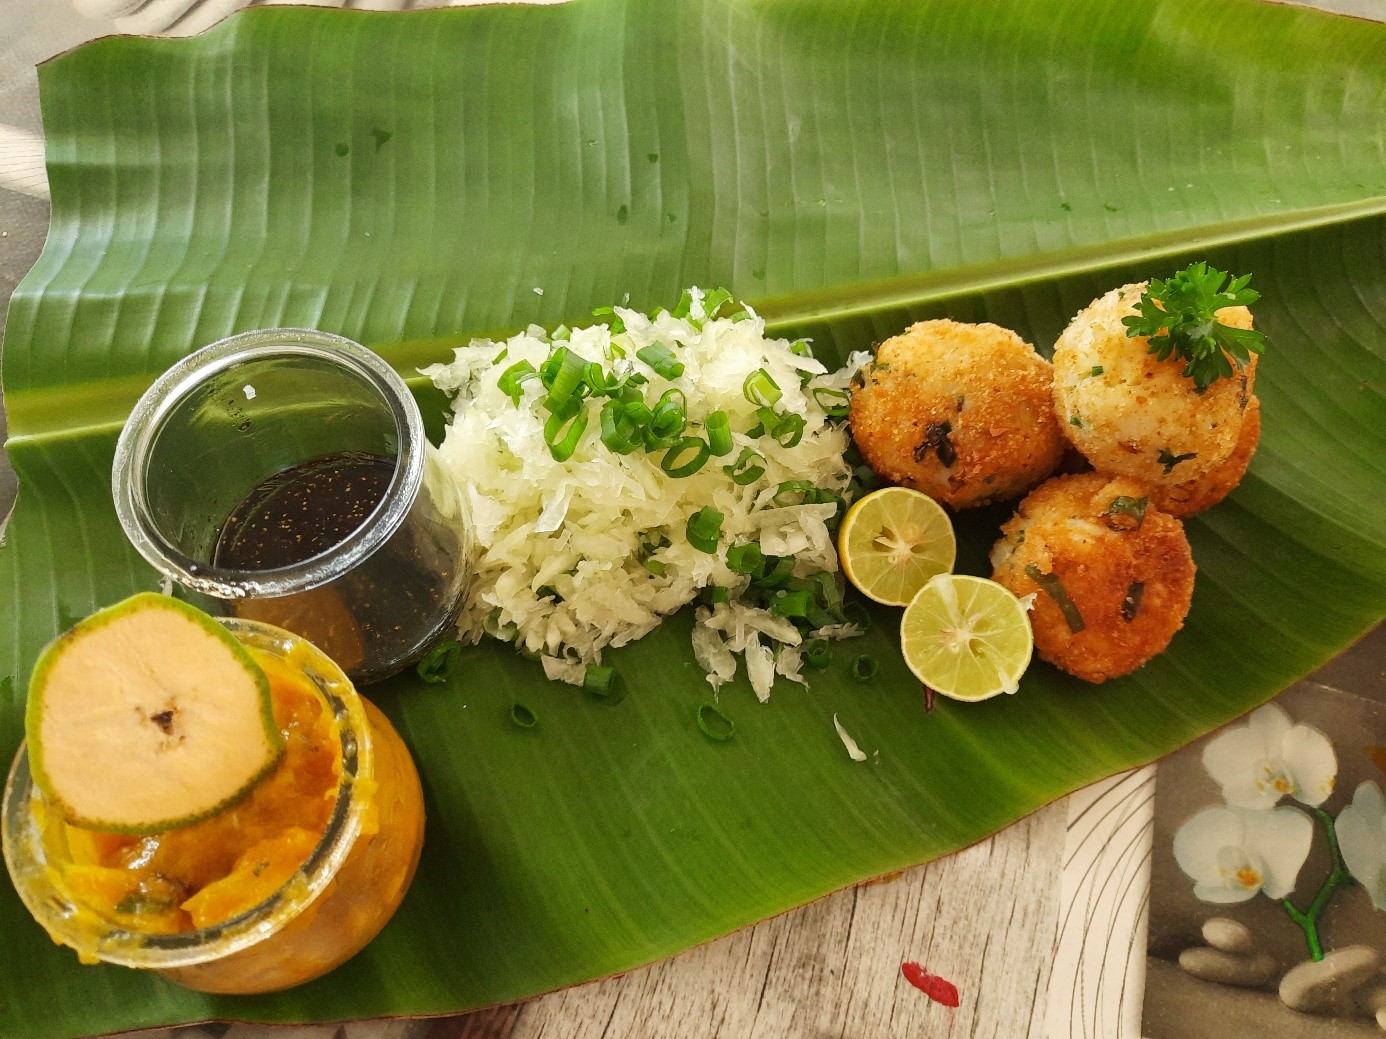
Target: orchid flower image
(1362,839)
(1254,845)
(1269,758)
(1233,853)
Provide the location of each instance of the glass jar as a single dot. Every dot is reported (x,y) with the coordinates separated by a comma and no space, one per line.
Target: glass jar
(224,423)
(340,898)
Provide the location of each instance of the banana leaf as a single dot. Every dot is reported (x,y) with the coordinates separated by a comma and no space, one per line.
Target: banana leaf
(411,180)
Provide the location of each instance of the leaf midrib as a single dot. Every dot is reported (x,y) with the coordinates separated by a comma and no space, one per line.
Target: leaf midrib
(42,415)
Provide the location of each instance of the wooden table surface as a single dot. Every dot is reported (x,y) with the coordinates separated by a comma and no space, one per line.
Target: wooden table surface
(994,919)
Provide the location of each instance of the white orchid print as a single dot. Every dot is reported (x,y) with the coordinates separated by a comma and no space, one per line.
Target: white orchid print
(1233,853)
(1254,845)
(1362,839)
(1270,757)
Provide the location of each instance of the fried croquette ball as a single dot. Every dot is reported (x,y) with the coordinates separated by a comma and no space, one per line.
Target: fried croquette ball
(1203,492)
(1135,415)
(1112,575)
(961,412)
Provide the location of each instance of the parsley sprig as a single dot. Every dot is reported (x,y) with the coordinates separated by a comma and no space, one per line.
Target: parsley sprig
(1179,316)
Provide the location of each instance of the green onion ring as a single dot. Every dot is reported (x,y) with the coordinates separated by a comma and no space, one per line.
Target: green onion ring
(713,723)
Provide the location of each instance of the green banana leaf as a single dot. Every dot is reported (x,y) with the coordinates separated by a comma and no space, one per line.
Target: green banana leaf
(409,180)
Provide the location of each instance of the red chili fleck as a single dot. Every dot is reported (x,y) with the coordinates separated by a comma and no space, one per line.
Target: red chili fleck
(940,990)
(928,699)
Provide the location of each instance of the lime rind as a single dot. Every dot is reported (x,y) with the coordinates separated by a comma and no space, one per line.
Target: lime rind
(58,790)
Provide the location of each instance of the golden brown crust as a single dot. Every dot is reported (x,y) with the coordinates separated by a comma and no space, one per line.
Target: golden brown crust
(1131,413)
(1066,528)
(1192,496)
(959,411)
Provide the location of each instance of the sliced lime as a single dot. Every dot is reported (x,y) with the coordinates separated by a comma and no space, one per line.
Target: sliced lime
(893,541)
(966,637)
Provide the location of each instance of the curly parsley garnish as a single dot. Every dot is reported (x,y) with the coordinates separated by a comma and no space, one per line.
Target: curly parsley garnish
(1179,316)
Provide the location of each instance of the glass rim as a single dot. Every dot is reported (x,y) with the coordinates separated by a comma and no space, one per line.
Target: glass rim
(151,412)
(67,921)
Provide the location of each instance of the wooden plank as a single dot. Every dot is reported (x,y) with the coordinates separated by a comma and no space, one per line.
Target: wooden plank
(984,918)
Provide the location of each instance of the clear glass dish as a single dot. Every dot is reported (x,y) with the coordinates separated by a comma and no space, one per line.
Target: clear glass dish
(210,432)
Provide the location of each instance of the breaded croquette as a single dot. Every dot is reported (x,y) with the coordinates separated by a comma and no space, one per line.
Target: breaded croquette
(1133,414)
(1203,492)
(1112,575)
(961,412)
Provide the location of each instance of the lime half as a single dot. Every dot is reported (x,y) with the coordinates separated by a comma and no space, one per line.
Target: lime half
(894,540)
(966,637)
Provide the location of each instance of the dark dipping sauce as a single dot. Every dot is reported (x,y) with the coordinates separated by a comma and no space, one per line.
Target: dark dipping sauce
(302,511)
(378,617)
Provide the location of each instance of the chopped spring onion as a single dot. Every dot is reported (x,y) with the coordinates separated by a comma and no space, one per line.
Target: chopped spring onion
(1054,588)
(789,431)
(563,373)
(748,467)
(684,307)
(440,662)
(1126,513)
(713,723)
(792,604)
(616,325)
(818,653)
(564,428)
(801,348)
(655,567)
(714,301)
(523,716)
(865,668)
(678,449)
(719,436)
(806,492)
(834,402)
(1169,459)
(769,422)
(746,559)
(826,589)
(604,683)
(661,359)
(714,594)
(760,389)
(779,575)
(704,529)
(512,380)
(668,419)
(621,428)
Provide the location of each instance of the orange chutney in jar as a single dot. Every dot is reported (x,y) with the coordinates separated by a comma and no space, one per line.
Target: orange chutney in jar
(206,873)
(279,888)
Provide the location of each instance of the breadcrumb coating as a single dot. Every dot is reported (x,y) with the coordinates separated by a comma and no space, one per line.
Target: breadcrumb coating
(962,412)
(1103,561)
(1203,492)
(1133,414)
